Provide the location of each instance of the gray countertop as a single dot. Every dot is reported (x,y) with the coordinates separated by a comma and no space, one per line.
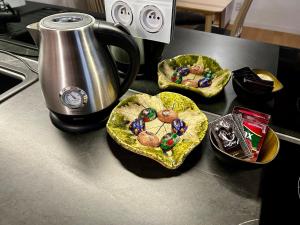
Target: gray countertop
(51,177)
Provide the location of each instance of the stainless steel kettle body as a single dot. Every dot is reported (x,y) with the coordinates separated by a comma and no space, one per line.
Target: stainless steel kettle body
(77,73)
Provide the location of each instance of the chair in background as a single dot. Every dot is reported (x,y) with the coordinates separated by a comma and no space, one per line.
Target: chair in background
(237,27)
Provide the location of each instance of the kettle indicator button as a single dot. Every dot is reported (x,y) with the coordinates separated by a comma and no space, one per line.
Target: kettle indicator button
(73,97)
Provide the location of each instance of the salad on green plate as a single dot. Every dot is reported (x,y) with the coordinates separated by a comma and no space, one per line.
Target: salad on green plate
(200,74)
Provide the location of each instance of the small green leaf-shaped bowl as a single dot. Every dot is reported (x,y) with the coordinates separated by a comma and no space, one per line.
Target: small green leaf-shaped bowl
(129,109)
(167,67)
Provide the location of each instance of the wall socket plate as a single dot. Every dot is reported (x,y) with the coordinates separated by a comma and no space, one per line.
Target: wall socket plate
(146,19)
(15,3)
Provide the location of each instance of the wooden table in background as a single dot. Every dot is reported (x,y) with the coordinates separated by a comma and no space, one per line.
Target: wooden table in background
(207,7)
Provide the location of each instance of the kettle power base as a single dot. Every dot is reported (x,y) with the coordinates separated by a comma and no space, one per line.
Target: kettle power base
(78,125)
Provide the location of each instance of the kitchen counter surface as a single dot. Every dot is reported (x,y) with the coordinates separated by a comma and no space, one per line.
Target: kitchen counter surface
(50,177)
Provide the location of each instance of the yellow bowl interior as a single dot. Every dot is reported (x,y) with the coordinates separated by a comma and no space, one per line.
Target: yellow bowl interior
(270,148)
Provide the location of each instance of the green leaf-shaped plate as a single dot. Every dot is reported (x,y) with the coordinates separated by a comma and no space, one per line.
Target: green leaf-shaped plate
(130,108)
(166,69)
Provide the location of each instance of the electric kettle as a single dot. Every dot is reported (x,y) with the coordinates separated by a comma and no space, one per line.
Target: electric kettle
(78,76)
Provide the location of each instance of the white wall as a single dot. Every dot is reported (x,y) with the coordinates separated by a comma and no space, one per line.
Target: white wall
(277,15)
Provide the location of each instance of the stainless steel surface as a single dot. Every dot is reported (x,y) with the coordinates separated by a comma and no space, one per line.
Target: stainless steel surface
(33,29)
(25,77)
(67,21)
(70,56)
(288,138)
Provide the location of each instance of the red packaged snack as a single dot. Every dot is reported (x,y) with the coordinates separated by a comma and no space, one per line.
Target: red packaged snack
(255,127)
(252,115)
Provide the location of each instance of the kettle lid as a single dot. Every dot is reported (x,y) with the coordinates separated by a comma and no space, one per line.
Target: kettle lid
(67,21)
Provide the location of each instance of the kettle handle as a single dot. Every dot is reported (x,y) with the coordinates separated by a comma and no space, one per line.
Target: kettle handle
(111,34)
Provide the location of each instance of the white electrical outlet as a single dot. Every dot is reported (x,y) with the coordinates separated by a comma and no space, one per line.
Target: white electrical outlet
(151,19)
(121,13)
(146,19)
(15,3)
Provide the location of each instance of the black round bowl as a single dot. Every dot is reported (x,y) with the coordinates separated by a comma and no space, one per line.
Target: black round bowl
(247,94)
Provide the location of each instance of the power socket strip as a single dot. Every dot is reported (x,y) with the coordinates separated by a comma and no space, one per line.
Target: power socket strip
(146,19)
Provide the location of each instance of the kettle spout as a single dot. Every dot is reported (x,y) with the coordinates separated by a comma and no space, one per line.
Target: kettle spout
(34,30)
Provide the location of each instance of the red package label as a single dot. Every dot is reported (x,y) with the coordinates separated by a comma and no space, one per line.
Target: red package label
(255,133)
(250,114)
(254,125)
